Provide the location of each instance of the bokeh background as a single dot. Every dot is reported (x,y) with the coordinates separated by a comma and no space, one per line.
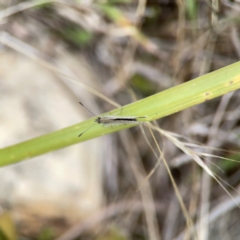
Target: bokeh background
(126,50)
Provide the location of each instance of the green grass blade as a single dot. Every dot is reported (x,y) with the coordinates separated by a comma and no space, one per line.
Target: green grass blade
(159,105)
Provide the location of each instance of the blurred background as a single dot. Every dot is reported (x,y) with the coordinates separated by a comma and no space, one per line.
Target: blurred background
(125,50)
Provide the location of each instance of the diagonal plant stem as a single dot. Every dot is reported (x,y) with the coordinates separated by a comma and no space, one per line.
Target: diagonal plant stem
(154,107)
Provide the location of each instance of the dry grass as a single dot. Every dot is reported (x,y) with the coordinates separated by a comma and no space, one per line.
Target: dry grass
(137,49)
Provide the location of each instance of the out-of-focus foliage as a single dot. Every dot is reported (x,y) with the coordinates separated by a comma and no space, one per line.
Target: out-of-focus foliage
(78,36)
(191,8)
(140,83)
(136,49)
(7,227)
(46,234)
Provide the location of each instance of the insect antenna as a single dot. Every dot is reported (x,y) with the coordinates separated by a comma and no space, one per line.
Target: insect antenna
(90,126)
(87,109)
(86,130)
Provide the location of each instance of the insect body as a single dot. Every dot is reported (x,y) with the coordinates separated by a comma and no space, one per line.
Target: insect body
(116,120)
(110,120)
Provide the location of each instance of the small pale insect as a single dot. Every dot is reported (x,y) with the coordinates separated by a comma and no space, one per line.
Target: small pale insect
(110,120)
